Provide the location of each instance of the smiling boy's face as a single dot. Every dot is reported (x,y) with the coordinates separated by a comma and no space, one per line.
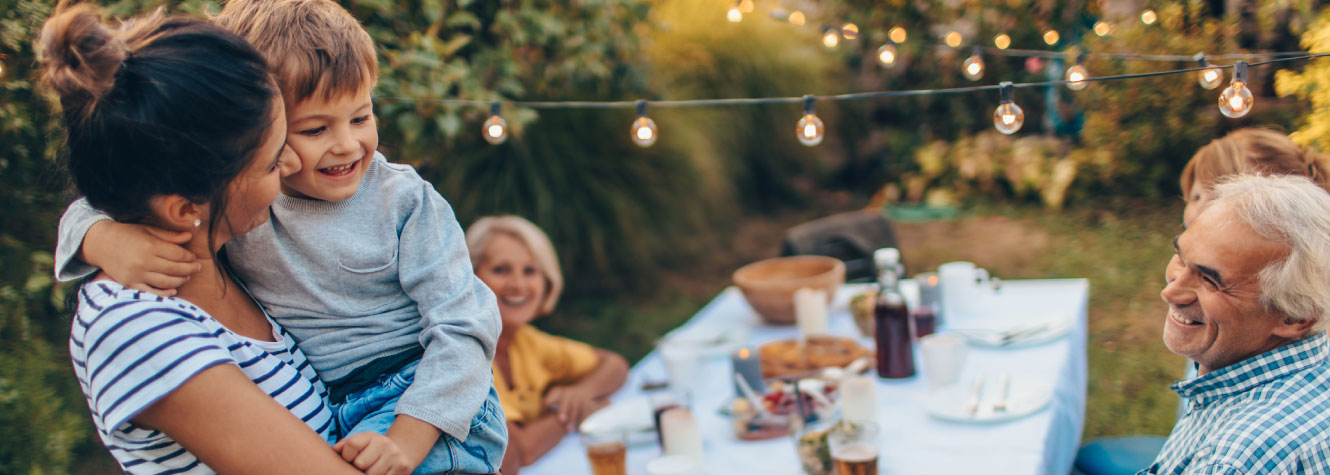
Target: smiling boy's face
(335,139)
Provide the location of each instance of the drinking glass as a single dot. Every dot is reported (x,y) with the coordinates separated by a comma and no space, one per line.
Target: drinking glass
(607,452)
(853,447)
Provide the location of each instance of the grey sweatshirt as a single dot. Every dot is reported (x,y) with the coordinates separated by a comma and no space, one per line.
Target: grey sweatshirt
(379,274)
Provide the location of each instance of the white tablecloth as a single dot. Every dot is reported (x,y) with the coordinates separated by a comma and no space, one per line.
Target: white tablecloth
(912,442)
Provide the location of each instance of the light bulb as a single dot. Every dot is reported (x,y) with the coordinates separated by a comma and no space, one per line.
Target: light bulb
(830,39)
(1008,117)
(797,17)
(1236,100)
(1148,17)
(954,39)
(644,131)
(887,54)
(1210,78)
(734,15)
(1051,37)
(809,130)
(746,6)
(1002,41)
(973,68)
(897,34)
(495,129)
(849,31)
(1102,28)
(1076,77)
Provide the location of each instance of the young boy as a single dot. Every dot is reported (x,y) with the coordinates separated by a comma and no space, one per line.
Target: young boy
(361,260)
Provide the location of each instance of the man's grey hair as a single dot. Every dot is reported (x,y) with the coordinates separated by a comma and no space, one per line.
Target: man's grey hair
(1295,212)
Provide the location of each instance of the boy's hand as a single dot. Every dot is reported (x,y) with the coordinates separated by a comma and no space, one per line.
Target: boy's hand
(140,256)
(572,404)
(374,454)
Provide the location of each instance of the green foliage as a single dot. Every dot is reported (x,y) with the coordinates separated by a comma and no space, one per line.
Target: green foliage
(1313,85)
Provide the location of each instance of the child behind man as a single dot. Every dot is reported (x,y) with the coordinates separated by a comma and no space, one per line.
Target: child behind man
(361,260)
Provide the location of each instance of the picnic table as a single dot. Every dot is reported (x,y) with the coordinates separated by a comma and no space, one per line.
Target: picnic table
(911,441)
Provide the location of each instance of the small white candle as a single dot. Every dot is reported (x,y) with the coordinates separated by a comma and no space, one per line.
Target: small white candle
(678,429)
(810,311)
(858,399)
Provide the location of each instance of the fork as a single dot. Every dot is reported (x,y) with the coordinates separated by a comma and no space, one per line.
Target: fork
(1004,384)
(973,407)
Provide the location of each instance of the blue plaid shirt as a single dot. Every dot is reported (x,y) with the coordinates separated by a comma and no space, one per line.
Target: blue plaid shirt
(1267,414)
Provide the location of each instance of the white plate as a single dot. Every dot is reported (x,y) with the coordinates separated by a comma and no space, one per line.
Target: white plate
(630,415)
(709,340)
(1033,330)
(1024,397)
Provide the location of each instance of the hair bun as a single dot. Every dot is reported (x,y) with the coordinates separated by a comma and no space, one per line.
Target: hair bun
(80,55)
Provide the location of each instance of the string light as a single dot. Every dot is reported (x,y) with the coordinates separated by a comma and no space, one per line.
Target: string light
(1008,118)
(953,39)
(1236,101)
(734,15)
(1051,37)
(746,6)
(644,129)
(1102,28)
(830,38)
(809,129)
(897,34)
(973,68)
(1077,74)
(495,129)
(797,17)
(1002,41)
(1148,17)
(887,55)
(849,31)
(1210,77)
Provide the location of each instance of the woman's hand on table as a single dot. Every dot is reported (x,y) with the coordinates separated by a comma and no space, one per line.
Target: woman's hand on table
(573,403)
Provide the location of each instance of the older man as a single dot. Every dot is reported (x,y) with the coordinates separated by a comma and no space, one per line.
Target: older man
(1248,293)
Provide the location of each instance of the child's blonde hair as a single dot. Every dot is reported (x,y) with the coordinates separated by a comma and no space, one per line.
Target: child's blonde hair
(1256,150)
(311,46)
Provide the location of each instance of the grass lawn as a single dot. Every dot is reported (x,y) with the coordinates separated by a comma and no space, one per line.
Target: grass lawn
(1121,250)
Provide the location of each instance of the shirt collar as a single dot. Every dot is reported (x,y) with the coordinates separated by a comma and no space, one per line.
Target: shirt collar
(1256,370)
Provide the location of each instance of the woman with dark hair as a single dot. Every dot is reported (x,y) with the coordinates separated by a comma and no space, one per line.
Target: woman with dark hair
(175,122)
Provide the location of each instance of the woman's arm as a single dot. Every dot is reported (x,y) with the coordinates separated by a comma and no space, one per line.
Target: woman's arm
(228,423)
(528,442)
(573,402)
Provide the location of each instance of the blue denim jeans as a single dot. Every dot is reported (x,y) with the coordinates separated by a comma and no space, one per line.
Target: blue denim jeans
(371,409)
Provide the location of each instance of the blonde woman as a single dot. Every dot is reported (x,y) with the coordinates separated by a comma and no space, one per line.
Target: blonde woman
(1250,150)
(546,384)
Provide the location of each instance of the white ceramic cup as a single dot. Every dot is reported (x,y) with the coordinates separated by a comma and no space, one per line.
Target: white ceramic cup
(944,358)
(682,362)
(965,288)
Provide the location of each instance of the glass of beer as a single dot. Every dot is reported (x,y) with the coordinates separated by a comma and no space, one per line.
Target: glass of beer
(607,452)
(853,448)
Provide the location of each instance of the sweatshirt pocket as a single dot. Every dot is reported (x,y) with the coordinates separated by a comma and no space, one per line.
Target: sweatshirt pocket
(368,284)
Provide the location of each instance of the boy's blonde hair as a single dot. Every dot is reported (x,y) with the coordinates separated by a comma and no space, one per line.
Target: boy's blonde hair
(311,46)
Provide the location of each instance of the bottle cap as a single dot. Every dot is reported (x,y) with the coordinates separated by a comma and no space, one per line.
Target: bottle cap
(886,257)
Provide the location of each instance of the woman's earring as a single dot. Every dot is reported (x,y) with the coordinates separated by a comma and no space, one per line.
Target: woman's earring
(197,222)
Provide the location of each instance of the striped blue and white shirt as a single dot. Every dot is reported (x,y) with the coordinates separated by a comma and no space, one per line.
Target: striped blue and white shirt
(132,348)
(1267,414)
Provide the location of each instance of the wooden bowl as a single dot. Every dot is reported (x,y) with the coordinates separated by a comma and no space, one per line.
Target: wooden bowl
(769,285)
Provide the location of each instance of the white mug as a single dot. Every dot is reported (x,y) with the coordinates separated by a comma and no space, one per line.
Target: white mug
(965,289)
(944,358)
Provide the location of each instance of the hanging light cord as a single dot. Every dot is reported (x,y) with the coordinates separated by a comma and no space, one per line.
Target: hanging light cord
(836,97)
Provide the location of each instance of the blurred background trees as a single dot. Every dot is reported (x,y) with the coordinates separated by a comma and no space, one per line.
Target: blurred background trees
(619,215)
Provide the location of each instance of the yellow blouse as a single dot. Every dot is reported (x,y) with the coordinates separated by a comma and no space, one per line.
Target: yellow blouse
(539,360)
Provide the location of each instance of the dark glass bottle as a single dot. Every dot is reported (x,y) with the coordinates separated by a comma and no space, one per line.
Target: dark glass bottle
(895,343)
